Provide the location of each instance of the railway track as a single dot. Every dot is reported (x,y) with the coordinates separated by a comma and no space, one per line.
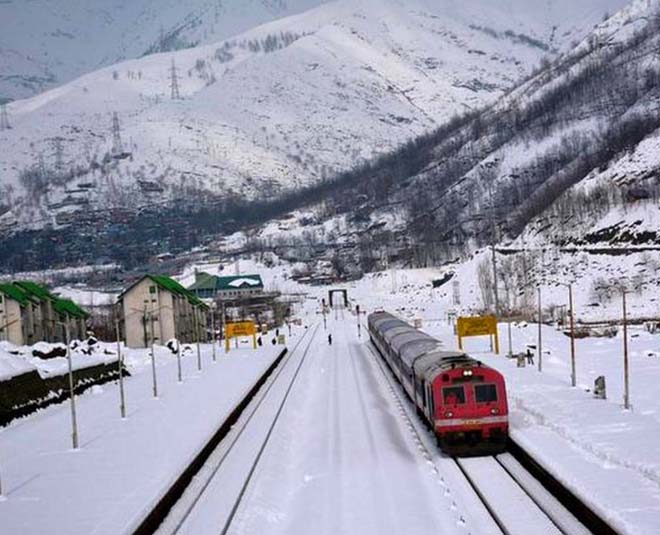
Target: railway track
(518,494)
(232,464)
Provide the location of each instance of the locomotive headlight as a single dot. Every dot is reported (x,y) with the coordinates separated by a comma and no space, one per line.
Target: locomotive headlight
(495,411)
(449,414)
(467,373)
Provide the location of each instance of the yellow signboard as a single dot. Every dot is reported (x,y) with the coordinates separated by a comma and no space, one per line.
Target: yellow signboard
(240,328)
(478,326)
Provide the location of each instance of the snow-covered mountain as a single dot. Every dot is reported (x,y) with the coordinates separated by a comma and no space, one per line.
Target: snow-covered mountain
(277,108)
(562,175)
(44,43)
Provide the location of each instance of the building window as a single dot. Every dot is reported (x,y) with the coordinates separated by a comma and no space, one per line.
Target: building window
(152,289)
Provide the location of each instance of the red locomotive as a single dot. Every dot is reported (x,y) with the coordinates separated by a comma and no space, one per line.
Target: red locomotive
(463,400)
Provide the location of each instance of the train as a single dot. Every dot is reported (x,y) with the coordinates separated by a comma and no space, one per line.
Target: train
(460,398)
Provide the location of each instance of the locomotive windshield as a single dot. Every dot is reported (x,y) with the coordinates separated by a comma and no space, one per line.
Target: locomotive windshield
(453,395)
(485,393)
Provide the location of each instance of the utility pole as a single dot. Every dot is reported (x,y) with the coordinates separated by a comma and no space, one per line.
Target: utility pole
(4,118)
(626,376)
(199,353)
(122,403)
(213,305)
(117,147)
(174,83)
(153,356)
(59,154)
(493,241)
(539,344)
(178,361)
(572,320)
(72,392)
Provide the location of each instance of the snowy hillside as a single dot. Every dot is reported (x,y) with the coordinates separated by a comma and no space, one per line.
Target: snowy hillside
(44,43)
(278,108)
(563,174)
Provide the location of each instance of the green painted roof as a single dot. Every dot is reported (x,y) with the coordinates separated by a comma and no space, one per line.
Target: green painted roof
(66,306)
(35,290)
(169,284)
(14,292)
(205,281)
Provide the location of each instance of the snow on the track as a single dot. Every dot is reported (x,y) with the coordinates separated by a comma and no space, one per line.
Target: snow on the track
(123,466)
(514,508)
(340,459)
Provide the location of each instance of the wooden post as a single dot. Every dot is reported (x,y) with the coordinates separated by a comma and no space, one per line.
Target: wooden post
(626,376)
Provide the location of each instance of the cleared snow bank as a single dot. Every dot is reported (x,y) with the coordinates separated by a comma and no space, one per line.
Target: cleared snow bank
(123,466)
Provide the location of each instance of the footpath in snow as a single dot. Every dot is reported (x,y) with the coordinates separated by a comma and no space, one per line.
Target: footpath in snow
(122,467)
(608,456)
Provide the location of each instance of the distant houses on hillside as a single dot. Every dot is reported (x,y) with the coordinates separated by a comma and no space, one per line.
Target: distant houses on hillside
(30,313)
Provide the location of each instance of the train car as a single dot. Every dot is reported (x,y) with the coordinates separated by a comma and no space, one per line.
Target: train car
(463,400)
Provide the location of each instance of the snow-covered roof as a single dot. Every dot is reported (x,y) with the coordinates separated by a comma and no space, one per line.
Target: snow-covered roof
(237,283)
(205,281)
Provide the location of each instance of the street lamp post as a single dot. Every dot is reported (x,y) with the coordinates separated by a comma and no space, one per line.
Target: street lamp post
(199,354)
(626,376)
(572,322)
(74,423)
(540,347)
(213,338)
(153,356)
(120,366)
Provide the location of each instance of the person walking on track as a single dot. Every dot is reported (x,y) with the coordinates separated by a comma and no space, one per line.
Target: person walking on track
(330,339)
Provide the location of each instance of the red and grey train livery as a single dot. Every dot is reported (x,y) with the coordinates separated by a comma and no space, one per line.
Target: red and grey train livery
(463,400)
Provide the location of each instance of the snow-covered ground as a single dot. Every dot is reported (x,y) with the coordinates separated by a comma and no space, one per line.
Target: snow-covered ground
(123,466)
(16,360)
(343,454)
(605,454)
(340,458)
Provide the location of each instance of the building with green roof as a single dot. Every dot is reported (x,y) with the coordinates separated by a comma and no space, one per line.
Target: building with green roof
(156,308)
(30,313)
(15,306)
(231,288)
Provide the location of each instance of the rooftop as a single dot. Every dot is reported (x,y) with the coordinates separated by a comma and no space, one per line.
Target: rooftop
(205,281)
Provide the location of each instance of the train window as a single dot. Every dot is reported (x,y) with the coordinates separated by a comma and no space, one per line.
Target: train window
(485,393)
(453,395)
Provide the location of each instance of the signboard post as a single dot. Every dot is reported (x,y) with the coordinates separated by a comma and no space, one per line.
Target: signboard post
(478,326)
(241,328)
